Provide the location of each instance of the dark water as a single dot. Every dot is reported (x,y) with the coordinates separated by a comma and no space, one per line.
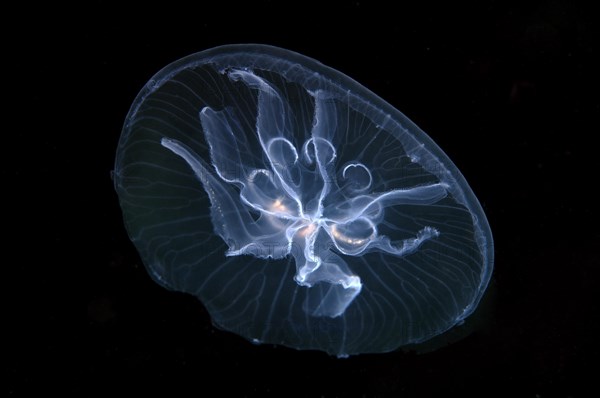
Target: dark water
(509,93)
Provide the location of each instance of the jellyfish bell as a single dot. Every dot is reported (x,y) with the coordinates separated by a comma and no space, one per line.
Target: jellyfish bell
(298,206)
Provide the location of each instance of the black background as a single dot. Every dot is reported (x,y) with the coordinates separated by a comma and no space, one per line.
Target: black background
(507,90)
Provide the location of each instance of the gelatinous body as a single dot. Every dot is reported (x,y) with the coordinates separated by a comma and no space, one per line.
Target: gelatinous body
(299,207)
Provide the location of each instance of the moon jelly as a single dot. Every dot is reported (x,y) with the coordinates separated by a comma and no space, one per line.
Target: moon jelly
(298,206)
